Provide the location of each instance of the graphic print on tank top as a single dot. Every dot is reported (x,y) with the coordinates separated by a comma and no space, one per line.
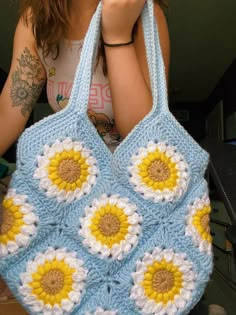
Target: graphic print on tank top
(60,76)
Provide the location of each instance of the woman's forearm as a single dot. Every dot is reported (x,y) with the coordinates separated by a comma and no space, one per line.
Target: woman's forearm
(131,97)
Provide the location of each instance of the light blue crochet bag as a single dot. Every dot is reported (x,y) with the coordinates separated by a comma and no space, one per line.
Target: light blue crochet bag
(86,231)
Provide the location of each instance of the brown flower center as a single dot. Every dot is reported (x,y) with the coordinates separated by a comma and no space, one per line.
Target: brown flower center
(109,224)
(205,223)
(52,282)
(158,171)
(69,170)
(6,220)
(163,281)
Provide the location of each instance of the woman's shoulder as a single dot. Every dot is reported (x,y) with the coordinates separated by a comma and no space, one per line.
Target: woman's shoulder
(163,34)
(24,32)
(161,22)
(164,40)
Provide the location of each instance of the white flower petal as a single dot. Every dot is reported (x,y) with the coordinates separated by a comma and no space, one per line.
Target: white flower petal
(79,275)
(25,277)
(3,250)
(67,305)
(25,289)
(22,240)
(32,267)
(30,299)
(78,286)
(60,253)
(57,310)
(37,306)
(19,200)
(28,229)
(74,297)
(12,247)
(26,208)
(50,254)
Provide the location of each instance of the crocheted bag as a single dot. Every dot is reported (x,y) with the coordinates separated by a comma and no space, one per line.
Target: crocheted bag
(86,231)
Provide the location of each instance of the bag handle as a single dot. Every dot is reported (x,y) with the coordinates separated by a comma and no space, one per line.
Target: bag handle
(80,91)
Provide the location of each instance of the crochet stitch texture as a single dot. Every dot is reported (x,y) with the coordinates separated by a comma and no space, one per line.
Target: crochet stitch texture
(86,231)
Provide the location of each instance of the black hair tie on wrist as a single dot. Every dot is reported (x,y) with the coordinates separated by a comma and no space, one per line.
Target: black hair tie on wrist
(118,44)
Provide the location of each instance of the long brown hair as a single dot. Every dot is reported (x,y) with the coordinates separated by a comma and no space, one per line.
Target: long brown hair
(50,22)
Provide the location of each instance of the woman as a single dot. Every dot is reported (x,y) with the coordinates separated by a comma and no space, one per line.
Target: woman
(47,46)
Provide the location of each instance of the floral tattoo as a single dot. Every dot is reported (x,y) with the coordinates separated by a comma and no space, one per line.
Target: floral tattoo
(27,82)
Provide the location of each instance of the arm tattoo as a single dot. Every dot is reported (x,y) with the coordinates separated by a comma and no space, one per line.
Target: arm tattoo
(27,82)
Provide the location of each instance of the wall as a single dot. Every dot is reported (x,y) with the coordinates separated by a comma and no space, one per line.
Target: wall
(8,18)
(203,44)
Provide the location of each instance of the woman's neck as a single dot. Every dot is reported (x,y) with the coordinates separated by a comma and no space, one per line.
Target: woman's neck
(83,6)
(81,12)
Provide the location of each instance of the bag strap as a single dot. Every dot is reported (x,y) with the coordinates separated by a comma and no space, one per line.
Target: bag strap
(155,60)
(83,77)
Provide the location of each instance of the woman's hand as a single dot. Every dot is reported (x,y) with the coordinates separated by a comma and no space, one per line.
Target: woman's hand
(118,19)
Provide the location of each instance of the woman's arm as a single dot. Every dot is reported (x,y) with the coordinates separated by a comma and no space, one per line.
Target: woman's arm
(128,73)
(22,88)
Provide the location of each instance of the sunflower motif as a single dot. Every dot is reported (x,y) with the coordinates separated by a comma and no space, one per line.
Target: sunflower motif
(101,311)
(163,282)
(18,223)
(159,172)
(53,282)
(21,93)
(197,224)
(111,226)
(66,170)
